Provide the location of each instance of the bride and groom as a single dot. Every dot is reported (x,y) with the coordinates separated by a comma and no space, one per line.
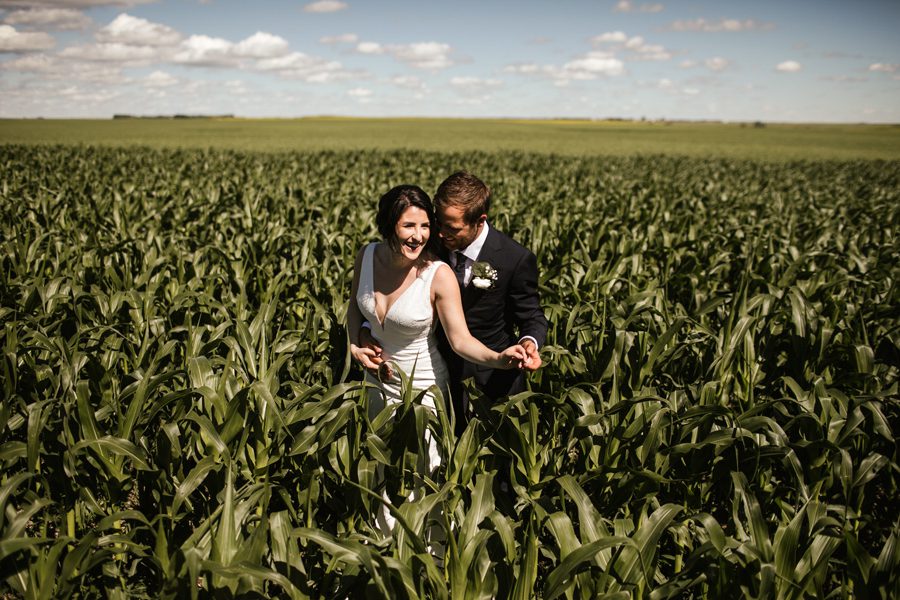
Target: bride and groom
(444,297)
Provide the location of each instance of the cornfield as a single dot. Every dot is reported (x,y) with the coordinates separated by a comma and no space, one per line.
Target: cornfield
(715,417)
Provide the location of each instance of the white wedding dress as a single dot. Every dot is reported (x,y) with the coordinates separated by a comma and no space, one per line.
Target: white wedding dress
(407,334)
(408,342)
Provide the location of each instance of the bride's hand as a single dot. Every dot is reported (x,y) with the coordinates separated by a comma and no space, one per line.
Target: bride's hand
(368,358)
(514,357)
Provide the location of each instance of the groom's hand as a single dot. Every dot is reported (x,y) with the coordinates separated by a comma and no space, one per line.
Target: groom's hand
(533,363)
(374,359)
(366,358)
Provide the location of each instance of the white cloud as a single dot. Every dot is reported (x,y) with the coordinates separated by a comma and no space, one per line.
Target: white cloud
(884,67)
(292,61)
(717,63)
(476,101)
(524,68)
(423,55)
(71,3)
(344,38)
(362,95)
(474,91)
(237,86)
(149,43)
(121,53)
(52,67)
(49,18)
(626,6)
(669,86)
(789,66)
(19,41)
(591,65)
(688,64)
(92,72)
(420,55)
(474,84)
(728,25)
(134,31)
(31,63)
(325,6)
(205,50)
(369,48)
(651,52)
(843,78)
(297,65)
(326,73)
(93,96)
(159,79)
(634,46)
(408,81)
(129,40)
(610,37)
(262,45)
(584,68)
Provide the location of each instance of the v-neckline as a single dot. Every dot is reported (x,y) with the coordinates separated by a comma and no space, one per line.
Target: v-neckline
(383,320)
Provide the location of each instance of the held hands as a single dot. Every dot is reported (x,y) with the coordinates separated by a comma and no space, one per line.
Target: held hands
(534,361)
(514,357)
(524,356)
(369,355)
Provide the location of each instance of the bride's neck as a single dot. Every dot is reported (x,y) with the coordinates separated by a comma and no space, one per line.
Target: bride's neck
(396,261)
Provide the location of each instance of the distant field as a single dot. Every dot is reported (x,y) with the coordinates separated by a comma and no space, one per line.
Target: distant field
(571,138)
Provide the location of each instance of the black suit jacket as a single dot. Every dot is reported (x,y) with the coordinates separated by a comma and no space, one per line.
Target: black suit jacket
(499,317)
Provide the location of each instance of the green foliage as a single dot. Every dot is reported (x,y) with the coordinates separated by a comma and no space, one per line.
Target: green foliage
(775,142)
(716,415)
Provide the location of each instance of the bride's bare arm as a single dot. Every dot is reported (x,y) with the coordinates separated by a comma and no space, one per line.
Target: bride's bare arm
(367,357)
(447,300)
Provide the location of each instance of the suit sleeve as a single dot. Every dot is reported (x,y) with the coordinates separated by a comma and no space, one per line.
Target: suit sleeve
(525,301)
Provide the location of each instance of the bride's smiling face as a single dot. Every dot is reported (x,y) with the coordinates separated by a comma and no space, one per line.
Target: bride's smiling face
(412,230)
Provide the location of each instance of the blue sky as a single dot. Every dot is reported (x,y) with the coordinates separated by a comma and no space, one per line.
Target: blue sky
(798,61)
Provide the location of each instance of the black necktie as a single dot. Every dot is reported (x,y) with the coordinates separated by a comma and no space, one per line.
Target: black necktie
(460,269)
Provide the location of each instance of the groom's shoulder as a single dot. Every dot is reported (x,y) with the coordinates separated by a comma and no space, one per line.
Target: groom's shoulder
(507,242)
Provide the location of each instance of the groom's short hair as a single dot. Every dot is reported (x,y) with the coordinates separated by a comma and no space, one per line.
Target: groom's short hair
(464,190)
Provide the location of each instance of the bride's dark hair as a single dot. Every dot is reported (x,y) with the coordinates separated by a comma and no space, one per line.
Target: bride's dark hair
(391,206)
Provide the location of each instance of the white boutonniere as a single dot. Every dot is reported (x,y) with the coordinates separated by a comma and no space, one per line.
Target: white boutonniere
(484,275)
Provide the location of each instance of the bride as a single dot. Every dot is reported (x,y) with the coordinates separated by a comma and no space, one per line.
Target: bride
(399,286)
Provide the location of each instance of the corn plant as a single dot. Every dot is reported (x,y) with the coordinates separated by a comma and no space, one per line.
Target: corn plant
(180,418)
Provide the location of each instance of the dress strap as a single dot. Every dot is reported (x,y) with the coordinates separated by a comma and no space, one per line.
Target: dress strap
(428,272)
(367,274)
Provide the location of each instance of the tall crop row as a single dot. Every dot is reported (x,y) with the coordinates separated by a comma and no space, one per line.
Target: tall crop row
(716,414)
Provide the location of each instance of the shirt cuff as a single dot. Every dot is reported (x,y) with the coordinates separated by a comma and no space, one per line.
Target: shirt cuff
(367,325)
(528,337)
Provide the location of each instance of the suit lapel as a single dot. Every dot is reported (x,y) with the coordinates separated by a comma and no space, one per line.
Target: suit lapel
(490,247)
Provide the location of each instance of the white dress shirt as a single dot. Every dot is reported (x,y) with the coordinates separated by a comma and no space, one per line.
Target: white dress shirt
(471,253)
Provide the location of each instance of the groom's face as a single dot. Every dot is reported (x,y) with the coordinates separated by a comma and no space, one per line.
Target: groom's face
(456,232)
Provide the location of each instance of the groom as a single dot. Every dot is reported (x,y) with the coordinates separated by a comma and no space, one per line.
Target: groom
(498,280)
